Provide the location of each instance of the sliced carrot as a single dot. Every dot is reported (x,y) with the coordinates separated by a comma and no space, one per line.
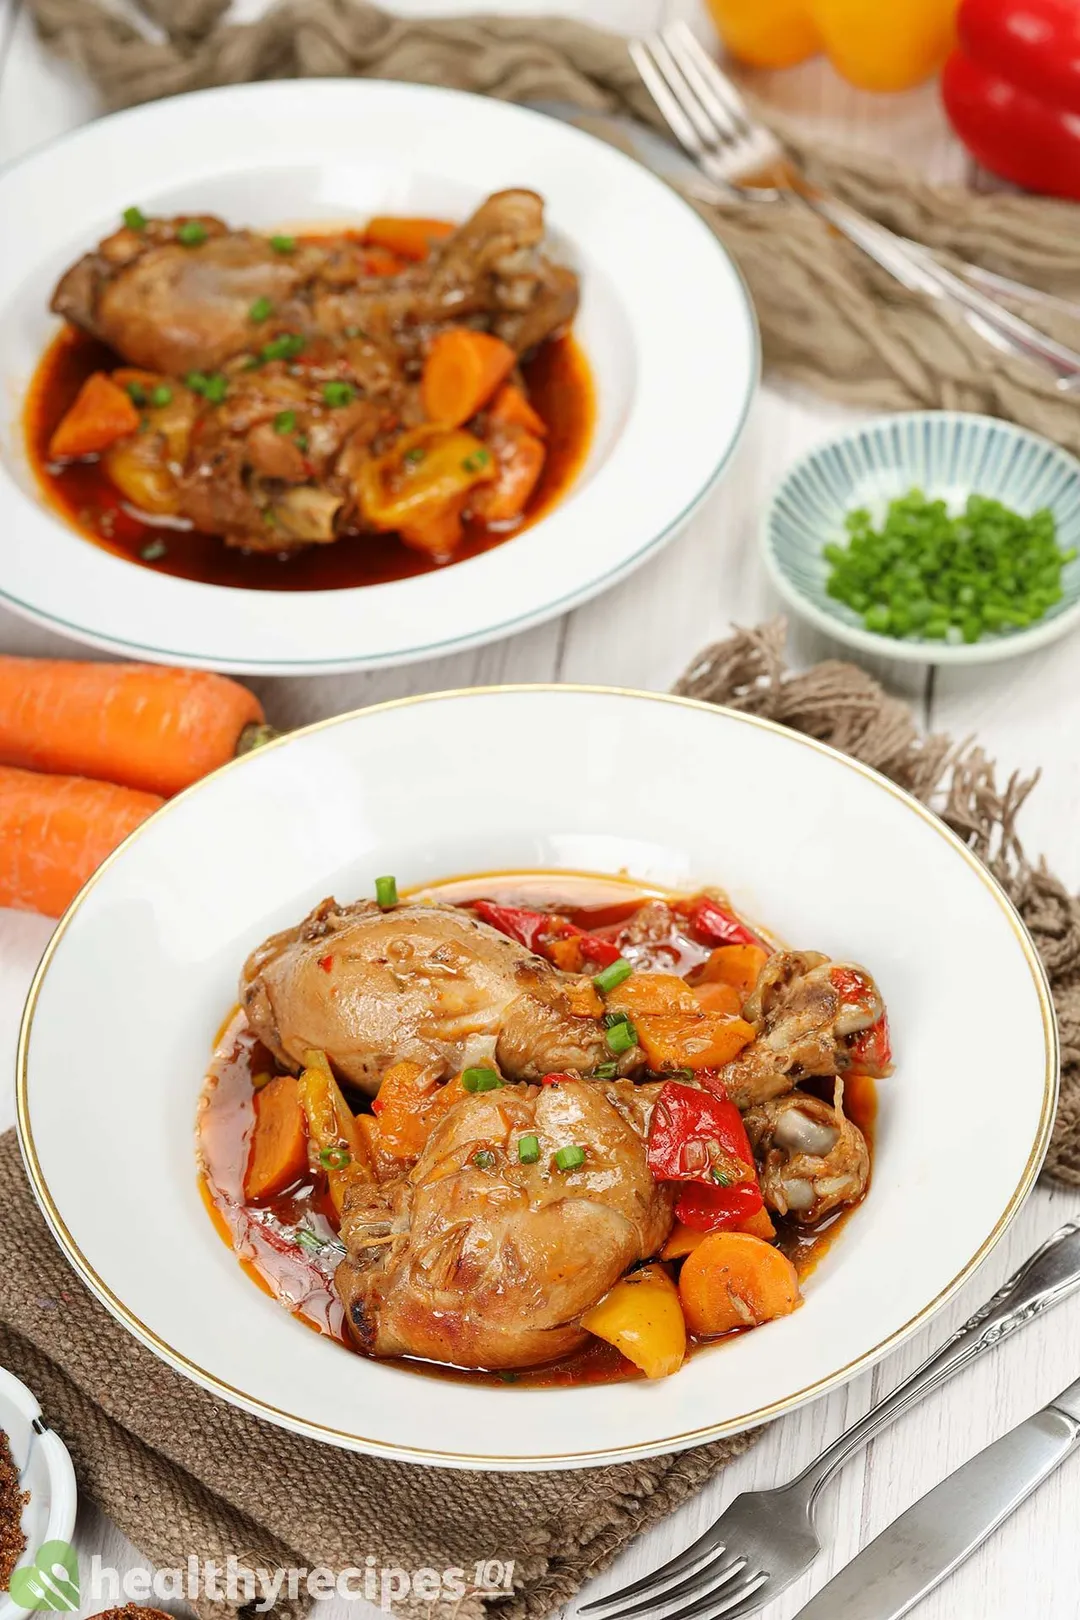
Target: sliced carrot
(658,993)
(733,1280)
(279,1144)
(55,831)
(384,1164)
(511,405)
(379,261)
(438,532)
(759,1225)
(409,1106)
(408,238)
(101,414)
(691,1041)
(138,724)
(717,997)
(737,965)
(462,370)
(519,463)
(683,1241)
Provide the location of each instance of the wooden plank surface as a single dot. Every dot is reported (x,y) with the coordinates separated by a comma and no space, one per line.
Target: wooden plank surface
(642,634)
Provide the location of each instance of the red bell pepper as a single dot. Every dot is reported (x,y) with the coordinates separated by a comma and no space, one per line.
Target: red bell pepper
(698,1138)
(712,925)
(1012,90)
(539,930)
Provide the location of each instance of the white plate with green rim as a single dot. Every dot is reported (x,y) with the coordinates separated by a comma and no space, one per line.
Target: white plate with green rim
(674,361)
(948,455)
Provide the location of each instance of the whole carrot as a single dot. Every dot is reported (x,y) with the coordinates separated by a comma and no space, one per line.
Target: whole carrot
(137,724)
(55,831)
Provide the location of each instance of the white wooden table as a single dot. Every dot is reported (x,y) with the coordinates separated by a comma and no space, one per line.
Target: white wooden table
(641,634)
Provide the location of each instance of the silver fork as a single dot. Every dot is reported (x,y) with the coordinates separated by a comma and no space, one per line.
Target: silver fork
(764,1540)
(713,124)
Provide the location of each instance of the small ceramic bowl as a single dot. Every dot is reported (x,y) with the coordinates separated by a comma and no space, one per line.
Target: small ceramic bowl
(49,1516)
(948,455)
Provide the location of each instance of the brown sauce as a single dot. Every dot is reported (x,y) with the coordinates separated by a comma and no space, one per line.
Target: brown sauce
(560,389)
(263,1236)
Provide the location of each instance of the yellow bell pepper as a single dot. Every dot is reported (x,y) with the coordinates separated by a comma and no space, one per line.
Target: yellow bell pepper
(875,46)
(643,1318)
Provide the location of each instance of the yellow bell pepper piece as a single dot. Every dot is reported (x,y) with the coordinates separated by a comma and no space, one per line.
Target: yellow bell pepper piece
(643,1318)
(766,33)
(885,47)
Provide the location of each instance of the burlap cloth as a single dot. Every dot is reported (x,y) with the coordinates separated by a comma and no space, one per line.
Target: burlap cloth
(829,317)
(183,1474)
(179,1472)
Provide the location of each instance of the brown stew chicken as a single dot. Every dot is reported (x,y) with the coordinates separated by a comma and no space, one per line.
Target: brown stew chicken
(302,412)
(538,1128)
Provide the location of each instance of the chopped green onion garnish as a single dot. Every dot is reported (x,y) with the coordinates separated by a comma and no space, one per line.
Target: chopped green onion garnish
(161,395)
(477,461)
(414,456)
(612,975)
(191,233)
(568,1158)
(134,219)
(269,517)
(338,393)
(153,551)
(284,421)
(302,443)
(721,1178)
(196,381)
(312,1243)
(261,310)
(335,1158)
(285,347)
(136,393)
(283,244)
(217,386)
(483,1159)
(606,1071)
(508,1377)
(613,1018)
(622,1036)
(480,1080)
(386,892)
(528,1149)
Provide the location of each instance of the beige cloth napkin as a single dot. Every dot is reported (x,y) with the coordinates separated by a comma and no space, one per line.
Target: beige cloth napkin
(183,1474)
(829,317)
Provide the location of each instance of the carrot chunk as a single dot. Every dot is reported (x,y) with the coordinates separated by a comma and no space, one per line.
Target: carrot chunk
(101,414)
(698,1040)
(407,238)
(733,1280)
(462,370)
(510,405)
(717,997)
(279,1145)
(737,965)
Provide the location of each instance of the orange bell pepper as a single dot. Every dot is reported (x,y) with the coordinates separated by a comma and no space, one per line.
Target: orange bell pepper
(873,46)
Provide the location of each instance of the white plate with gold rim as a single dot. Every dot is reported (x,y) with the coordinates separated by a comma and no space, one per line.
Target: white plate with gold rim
(665,323)
(821,850)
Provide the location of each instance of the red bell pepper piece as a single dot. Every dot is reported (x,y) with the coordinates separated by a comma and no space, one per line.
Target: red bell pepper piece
(712,925)
(714,1209)
(553,1079)
(536,929)
(1012,90)
(698,1138)
(871,1049)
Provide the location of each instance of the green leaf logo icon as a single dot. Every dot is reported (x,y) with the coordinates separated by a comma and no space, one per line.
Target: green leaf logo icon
(52,1582)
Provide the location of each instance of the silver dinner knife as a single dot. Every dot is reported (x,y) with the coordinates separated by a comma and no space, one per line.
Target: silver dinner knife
(923,1546)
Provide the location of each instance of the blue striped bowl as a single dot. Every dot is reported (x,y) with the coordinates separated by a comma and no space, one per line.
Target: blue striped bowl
(947,454)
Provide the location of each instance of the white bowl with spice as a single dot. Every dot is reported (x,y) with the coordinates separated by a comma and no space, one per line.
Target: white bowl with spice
(931,536)
(38,1568)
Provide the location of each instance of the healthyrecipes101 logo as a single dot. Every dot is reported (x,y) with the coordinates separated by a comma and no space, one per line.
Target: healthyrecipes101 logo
(52,1582)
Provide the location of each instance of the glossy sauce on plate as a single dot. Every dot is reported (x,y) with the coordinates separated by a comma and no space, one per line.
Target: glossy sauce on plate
(263,1236)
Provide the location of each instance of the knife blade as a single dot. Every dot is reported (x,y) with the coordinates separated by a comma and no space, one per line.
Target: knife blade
(923,1546)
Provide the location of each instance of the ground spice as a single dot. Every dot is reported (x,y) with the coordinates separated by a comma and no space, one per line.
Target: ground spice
(12,1499)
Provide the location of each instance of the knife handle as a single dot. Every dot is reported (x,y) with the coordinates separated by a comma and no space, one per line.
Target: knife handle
(1046,1278)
